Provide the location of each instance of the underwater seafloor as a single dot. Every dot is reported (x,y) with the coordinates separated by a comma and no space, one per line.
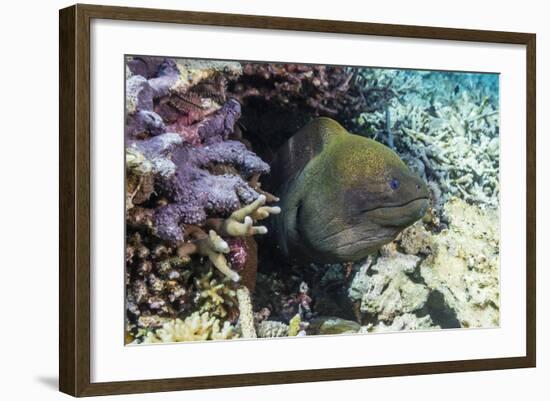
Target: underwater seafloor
(200,136)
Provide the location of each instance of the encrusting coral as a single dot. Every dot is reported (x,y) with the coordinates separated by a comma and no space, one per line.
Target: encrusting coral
(191,191)
(389,292)
(464,265)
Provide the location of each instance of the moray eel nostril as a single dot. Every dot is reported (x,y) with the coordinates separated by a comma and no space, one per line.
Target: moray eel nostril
(343,196)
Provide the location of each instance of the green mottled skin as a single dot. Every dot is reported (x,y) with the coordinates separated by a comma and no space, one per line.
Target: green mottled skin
(337,200)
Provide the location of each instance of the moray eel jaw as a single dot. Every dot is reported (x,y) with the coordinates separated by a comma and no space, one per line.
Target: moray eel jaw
(373,229)
(399,216)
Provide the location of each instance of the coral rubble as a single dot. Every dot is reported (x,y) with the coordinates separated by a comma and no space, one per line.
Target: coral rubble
(389,291)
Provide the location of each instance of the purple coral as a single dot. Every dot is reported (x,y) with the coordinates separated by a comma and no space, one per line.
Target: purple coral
(196,169)
(194,192)
(161,73)
(222,124)
(143,123)
(153,77)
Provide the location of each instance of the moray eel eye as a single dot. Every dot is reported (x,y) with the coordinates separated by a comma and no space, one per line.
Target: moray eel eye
(394,183)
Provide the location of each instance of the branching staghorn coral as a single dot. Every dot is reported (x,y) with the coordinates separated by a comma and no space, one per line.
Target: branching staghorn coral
(211,245)
(217,297)
(447,132)
(240,222)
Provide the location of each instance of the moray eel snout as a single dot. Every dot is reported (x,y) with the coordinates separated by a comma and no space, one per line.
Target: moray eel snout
(343,196)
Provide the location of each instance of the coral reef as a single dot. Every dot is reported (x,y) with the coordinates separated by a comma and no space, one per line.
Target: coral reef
(324,90)
(445,126)
(158,282)
(464,265)
(448,278)
(193,197)
(216,297)
(200,136)
(190,190)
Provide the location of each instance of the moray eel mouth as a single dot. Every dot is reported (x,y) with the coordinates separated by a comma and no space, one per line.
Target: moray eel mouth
(398,215)
(374,228)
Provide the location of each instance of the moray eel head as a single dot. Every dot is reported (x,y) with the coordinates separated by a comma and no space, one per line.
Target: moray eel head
(344,197)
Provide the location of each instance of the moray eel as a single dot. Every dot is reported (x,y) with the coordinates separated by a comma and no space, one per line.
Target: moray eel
(342,195)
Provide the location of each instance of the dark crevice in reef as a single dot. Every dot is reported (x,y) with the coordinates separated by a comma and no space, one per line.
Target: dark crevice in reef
(279,282)
(416,275)
(440,313)
(268,125)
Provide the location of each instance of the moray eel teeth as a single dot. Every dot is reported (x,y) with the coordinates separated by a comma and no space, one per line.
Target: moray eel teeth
(342,196)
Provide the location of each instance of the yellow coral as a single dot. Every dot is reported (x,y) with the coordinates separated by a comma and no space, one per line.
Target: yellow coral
(196,327)
(294,325)
(246,315)
(216,298)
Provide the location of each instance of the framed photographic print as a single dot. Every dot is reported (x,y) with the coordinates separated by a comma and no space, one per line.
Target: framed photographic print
(251,200)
